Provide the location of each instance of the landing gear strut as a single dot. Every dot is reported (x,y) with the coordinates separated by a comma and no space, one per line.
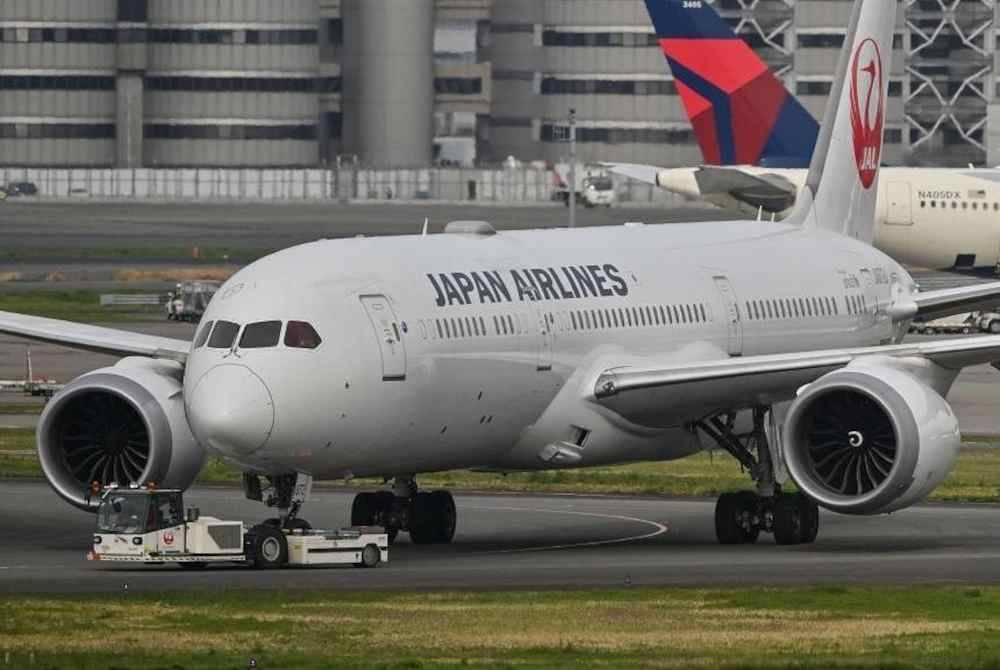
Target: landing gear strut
(741,517)
(287,493)
(429,517)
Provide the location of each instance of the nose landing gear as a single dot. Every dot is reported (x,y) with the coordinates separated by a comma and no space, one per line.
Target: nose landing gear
(429,517)
(286,492)
(741,517)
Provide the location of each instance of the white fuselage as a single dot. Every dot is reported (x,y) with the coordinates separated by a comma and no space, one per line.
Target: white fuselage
(439,352)
(926,217)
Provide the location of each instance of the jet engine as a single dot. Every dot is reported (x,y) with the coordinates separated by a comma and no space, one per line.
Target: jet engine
(121,424)
(869,439)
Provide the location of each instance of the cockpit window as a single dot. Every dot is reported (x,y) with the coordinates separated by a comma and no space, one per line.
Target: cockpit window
(261,335)
(203,335)
(301,335)
(223,335)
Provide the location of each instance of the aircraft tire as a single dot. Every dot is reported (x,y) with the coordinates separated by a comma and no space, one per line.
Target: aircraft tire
(422,519)
(446,517)
(788,520)
(810,518)
(995,327)
(732,511)
(363,509)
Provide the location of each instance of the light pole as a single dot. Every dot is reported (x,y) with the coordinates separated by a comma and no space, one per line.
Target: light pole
(572,168)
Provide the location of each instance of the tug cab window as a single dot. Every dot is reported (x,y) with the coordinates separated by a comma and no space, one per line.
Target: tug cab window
(223,335)
(301,335)
(203,335)
(261,335)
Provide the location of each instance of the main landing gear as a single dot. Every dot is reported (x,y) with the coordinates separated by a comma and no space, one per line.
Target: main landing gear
(741,517)
(429,517)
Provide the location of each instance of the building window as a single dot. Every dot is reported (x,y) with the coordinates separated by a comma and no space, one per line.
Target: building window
(133,11)
(557,133)
(56,83)
(458,85)
(167,131)
(228,36)
(243,84)
(558,38)
(557,86)
(58,131)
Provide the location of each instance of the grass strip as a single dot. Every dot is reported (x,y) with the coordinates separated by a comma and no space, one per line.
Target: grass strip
(150,253)
(976,477)
(75,305)
(856,627)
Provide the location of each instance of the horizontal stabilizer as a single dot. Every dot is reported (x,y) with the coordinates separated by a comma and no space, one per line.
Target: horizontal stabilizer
(771,191)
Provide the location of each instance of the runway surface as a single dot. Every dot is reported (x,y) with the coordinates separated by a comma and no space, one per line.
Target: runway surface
(527,541)
(74,225)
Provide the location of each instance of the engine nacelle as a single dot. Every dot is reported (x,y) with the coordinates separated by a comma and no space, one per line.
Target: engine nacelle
(121,424)
(869,439)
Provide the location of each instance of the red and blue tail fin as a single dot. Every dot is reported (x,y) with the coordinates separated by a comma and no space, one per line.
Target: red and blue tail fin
(741,113)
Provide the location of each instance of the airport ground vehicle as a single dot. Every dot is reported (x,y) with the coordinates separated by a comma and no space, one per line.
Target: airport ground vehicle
(146,525)
(958,323)
(988,322)
(18,188)
(189,300)
(593,185)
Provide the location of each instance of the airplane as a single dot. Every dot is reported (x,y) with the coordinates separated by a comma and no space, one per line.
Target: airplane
(542,349)
(756,139)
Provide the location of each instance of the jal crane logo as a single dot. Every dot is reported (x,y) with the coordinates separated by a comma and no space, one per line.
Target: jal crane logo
(867,109)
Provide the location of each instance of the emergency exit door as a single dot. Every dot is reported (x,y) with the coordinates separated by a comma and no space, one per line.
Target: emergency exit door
(898,195)
(389,334)
(732,315)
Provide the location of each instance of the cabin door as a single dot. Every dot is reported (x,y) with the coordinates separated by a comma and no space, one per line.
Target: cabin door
(732,315)
(898,195)
(388,333)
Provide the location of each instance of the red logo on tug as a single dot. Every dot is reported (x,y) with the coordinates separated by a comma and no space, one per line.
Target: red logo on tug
(867,109)
(168,537)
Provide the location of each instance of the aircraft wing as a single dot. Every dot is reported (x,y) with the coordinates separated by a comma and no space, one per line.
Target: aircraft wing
(93,338)
(639,392)
(945,302)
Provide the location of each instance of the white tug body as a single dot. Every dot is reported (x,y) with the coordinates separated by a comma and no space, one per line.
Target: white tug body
(145,525)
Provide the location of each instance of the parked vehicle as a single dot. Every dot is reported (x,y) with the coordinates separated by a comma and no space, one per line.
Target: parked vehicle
(593,186)
(16,188)
(989,322)
(190,300)
(959,323)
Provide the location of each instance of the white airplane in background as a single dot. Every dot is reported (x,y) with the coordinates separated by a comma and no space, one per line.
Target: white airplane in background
(544,349)
(758,140)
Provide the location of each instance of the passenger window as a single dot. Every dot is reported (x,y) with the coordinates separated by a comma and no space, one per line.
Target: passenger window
(203,335)
(261,335)
(301,335)
(223,335)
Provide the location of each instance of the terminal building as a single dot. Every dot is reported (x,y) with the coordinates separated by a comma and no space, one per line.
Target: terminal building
(390,83)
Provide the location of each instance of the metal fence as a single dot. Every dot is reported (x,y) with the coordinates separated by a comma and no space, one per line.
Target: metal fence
(502,185)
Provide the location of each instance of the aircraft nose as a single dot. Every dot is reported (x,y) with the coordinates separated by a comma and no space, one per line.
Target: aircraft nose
(231,410)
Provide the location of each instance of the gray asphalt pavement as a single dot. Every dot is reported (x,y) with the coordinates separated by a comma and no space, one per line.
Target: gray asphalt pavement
(527,541)
(74,225)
